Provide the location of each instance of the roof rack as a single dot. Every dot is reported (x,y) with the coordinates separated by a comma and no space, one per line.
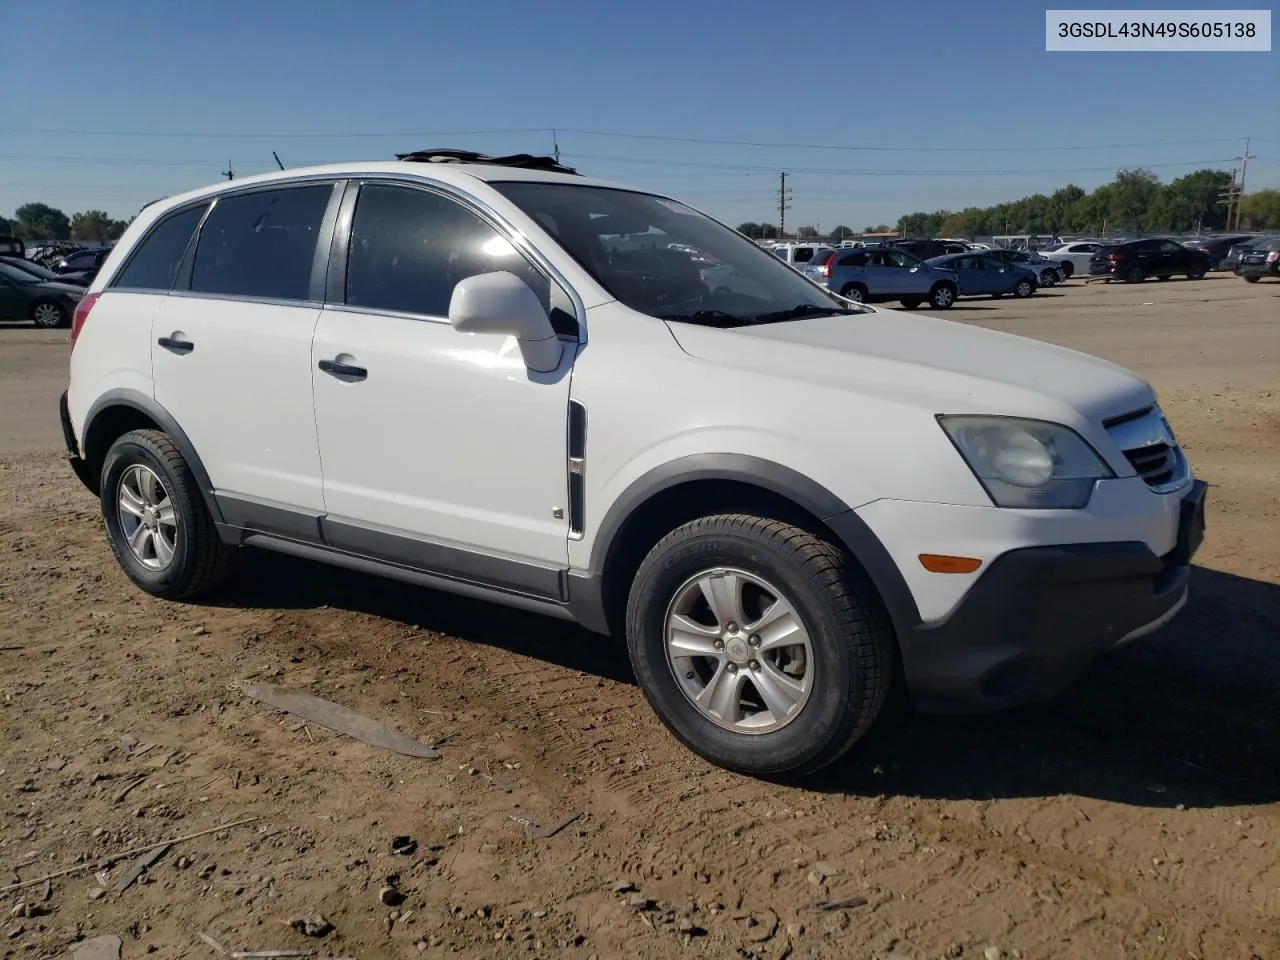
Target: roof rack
(524,161)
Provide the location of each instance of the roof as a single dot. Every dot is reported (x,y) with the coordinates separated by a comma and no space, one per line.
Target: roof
(453,173)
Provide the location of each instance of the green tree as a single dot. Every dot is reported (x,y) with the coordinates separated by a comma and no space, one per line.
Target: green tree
(6,227)
(91,226)
(840,232)
(806,232)
(39,221)
(878,228)
(1261,210)
(751,229)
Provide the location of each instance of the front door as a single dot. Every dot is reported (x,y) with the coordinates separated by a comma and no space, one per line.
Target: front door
(231,353)
(441,450)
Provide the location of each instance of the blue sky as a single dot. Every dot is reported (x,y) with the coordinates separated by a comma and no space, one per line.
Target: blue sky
(124,102)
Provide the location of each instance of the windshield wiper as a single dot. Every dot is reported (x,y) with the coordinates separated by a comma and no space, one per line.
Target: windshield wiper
(802,311)
(717,317)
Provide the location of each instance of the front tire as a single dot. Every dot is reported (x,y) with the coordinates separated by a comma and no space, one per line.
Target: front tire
(48,314)
(157,523)
(1135,275)
(1196,273)
(1252,279)
(942,296)
(760,646)
(1023,289)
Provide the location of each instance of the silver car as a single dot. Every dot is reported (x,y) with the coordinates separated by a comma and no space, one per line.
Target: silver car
(871,275)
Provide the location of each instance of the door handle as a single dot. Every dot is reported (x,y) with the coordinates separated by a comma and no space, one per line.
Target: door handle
(176,346)
(343,371)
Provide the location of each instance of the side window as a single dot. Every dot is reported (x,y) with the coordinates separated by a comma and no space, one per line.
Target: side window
(855,260)
(261,244)
(1170,247)
(804,254)
(154,264)
(410,247)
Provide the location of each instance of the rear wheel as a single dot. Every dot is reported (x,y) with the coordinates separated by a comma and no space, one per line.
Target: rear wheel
(48,314)
(759,645)
(942,296)
(157,523)
(855,292)
(1252,279)
(1195,273)
(1135,275)
(1048,278)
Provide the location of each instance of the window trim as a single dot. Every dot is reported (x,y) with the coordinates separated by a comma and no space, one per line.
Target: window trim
(315,285)
(115,284)
(335,297)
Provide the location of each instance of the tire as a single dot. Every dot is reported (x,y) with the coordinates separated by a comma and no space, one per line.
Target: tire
(910,303)
(198,559)
(1048,278)
(1252,279)
(855,292)
(1195,273)
(1023,289)
(48,314)
(847,665)
(1134,275)
(942,296)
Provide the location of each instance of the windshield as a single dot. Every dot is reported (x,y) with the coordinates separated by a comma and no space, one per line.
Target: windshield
(43,273)
(665,259)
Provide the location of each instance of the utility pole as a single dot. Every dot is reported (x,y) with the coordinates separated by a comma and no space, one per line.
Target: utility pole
(1228,197)
(274,154)
(783,195)
(1244,158)
(228,173)
(555,146)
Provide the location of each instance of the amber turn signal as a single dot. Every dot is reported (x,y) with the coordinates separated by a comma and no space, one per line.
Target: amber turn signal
(940,563)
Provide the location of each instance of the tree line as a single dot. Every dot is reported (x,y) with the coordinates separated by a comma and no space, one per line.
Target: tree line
(1134,202)
(39,221)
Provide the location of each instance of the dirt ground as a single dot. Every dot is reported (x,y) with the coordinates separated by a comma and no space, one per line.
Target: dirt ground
(1136,816)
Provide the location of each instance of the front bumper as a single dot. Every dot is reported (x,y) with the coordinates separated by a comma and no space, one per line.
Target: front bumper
(78,466)
(1039,616)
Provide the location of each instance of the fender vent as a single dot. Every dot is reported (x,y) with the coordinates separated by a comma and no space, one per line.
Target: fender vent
(577,467)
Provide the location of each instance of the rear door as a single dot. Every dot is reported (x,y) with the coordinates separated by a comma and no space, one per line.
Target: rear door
(231,351)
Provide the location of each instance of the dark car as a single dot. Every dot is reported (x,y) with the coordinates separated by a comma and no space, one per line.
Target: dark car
(49,303)
(1157,257)
(44,273)
(88,261)
(1260,260)
(1236,252)
(982,274)
(1215,248)
(1048,272)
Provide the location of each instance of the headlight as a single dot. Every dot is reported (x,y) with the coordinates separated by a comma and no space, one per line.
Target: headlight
(1027,463)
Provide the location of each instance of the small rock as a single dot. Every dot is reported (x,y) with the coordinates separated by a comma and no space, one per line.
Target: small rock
(184,863)
(816,878)
(14,932)
(99,948)
(19,910)
(955,949)
(640,902)
(200,631)
(393,916)
(390,896)
(795,930)
(626,886)
(993,953)
(56,764)
(47,892)
(311,925)
(484,912)
(404,846)
(97,832)
(824,869)
(539,914)
(96,893)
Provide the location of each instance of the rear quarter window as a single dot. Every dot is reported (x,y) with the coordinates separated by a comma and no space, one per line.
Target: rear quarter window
(153,265)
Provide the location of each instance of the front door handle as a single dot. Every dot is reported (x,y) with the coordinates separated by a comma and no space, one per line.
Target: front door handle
(343,371)
(176,345)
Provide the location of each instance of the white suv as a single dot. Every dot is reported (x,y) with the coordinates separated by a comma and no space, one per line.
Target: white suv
(496,377)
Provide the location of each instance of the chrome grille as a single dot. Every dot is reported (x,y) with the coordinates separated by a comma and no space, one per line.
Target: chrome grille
(1148,444)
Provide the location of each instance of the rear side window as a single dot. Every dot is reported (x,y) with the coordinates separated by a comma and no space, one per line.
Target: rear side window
(410,247)
(261,244)
(153,265)
(854,260)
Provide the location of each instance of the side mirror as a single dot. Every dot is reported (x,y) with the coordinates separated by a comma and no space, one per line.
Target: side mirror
(501,302)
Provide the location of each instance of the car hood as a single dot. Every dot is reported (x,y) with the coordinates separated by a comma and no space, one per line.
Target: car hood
(59,286)
(945,366)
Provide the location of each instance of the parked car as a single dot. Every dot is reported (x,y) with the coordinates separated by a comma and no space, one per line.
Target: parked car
(1073,256)
(922,248)
(1048,272)
(1236,252)
(979,274)
(88,261)
(799,254)
(1260,260)
(44,273)
(12,247)
(876,275)
(47,303)
(1215,248)
(1157,257)
(779,501)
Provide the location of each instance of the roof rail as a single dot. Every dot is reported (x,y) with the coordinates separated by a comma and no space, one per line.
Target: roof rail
(524,161)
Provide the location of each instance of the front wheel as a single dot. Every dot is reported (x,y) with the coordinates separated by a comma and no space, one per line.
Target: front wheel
(942,296)
(1251,279)
(1024,288)
(760,646)
(1135,275)
(48,314)
(157,523)
(1196,273)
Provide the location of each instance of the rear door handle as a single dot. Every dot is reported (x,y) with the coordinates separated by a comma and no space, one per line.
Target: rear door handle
(177,346)
(343,371)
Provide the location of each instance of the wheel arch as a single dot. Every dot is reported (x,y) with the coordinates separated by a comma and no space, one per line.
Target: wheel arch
(700,484)
(117,412)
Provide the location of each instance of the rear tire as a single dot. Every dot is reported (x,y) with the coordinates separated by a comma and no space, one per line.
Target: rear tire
(942,296)
(1048,278)
(855,292)
(759,715)
(1195,273)
(1252,279)
(157,523)
(1134,275)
